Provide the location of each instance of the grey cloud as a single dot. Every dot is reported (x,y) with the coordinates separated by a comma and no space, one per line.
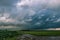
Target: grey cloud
(7,2)
(23,13)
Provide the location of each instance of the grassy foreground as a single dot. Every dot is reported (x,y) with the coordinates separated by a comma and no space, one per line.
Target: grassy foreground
(43,33)
(12,35)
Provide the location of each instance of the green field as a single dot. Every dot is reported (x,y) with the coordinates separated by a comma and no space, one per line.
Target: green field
(12,35)
(43,33)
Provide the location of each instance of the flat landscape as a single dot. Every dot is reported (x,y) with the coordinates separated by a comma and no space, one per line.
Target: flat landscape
(12,35)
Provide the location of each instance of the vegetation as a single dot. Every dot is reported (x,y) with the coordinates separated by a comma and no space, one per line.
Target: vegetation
(12,35)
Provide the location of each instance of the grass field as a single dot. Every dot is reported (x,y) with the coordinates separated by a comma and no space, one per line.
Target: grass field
(12,35)
(43,32)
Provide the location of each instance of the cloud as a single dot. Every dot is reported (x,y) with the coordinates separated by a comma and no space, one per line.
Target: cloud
(7,2)
(58,20)
(32,4)
(53,29)
(17,11)
(54,3)
(5,17)
(35,4)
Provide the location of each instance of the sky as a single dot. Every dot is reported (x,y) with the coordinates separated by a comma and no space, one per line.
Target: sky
(30,14)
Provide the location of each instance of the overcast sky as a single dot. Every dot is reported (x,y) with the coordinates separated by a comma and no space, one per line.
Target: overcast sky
(13,11)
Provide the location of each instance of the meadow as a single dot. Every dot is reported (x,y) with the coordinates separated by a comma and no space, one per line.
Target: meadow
(12,35)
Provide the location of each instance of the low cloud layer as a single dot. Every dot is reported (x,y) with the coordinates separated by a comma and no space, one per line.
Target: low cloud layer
(25,12)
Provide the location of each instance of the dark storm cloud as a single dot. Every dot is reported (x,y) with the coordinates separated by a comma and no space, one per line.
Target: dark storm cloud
(34,13)
(7,2)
